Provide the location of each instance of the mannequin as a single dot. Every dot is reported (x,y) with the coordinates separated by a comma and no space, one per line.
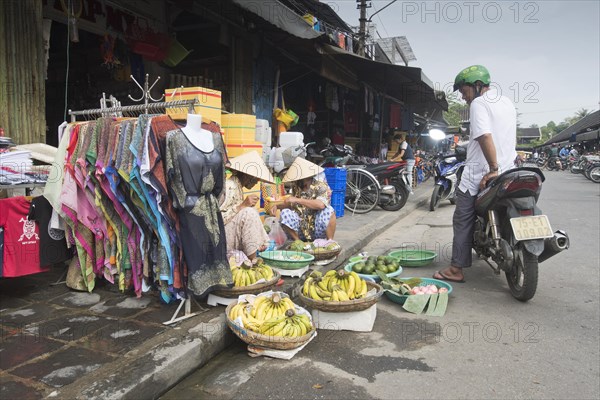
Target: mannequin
(200,138)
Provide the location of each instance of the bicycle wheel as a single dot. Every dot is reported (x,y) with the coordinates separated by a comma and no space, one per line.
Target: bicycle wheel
(362,191)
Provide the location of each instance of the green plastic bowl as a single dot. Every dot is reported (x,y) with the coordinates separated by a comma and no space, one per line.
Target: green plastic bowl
(373,277)
(281,259)
(356,259)
(400,299)
(413,258)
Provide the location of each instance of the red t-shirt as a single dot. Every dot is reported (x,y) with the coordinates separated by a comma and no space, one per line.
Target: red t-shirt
(21,239)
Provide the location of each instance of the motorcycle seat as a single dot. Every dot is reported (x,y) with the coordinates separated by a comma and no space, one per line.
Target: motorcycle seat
(375,168)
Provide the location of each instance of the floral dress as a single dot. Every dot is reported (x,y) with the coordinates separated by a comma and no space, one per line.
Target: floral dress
(310,224)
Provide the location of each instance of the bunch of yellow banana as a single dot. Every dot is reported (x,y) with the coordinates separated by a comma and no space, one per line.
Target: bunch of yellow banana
(248,273)
(267,312)
(289,324)
(241,310)
(267,307)
(334,286)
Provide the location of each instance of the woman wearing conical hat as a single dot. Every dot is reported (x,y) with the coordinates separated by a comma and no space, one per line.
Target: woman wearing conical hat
(244,230)
(306,214)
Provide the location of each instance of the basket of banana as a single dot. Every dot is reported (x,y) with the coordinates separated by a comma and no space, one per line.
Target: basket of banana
(339,291)
(270,320)
(249,278)
(320,249)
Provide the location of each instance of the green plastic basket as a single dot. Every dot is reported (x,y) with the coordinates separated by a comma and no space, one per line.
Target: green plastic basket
(413,258)
(373,277)
(281,259)
(400,299)
(176,54)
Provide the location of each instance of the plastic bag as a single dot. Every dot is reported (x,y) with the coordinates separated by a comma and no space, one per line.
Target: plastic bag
(276,232)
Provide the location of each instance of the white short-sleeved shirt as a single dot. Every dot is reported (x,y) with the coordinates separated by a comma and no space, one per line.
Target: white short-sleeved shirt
(495,114)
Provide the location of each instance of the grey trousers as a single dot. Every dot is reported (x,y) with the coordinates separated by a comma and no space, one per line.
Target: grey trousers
(463,225)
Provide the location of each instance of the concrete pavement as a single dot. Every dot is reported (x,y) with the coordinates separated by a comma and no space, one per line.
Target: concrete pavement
(488,345)
(64,344)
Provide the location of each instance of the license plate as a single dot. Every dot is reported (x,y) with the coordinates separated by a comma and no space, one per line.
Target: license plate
(533,227)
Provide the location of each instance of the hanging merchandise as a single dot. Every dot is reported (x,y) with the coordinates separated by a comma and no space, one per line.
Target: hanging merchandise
(127,213)
(349,44)
(153,46)
(53,246)
(395,116)
(341,40)
(21,255)
(176,53)
(331,97)
(107,49)
(285,116)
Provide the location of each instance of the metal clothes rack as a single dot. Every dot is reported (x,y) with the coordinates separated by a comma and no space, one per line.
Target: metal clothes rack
(145,108)
(138,108)
(117,110)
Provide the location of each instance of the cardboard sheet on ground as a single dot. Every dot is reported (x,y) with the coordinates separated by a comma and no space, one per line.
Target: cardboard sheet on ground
(256,351)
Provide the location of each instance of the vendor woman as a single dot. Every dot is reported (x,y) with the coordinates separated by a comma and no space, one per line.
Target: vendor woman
(306,214)
(244,229)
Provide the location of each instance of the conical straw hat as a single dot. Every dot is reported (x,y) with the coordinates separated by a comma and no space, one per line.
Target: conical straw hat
(251,164)
(301,169)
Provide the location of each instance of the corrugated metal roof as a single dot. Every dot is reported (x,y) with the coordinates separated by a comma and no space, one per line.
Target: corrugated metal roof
(280,15)
(590,121)
(322,11)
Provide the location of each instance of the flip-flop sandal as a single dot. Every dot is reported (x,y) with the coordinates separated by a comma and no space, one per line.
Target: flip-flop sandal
(447,278)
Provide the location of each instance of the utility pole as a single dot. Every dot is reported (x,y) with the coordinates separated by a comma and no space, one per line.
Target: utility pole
(362,30)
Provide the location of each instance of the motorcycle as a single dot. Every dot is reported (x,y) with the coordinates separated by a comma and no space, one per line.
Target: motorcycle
(448,170)
(395,187)
(333,155)
(512,231)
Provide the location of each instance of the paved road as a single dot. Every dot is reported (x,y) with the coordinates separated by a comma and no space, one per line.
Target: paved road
(488,345)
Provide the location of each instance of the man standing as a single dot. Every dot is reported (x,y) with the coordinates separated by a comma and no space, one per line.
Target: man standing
(405,153)
(491,150)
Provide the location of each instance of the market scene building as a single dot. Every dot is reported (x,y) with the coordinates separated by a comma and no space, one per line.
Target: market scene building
(181,177)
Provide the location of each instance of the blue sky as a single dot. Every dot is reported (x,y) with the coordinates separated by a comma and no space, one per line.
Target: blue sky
(543,55)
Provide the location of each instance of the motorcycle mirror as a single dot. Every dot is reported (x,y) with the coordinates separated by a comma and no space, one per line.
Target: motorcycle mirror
(437,134)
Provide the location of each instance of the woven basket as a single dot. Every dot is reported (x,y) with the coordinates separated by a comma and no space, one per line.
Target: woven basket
(269,342)
(234,292)
(324,254)
(320,254)
(344,306)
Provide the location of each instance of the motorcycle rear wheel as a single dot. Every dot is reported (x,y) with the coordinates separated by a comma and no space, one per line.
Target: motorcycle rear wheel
(573,169)
(595,174)
(362,191)
(523,278)
(400,198)
(435,197)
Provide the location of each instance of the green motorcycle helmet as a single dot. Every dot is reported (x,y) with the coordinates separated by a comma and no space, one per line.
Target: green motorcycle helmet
(470,75)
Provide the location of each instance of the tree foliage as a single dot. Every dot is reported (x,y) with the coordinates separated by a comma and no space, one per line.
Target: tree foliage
(552,128)
(456,108)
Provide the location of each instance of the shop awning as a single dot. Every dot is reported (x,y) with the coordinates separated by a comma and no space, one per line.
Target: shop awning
(586,136)
(281,16)
(408,84)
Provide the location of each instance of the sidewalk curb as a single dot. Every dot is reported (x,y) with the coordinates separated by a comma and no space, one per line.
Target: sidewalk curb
(151,369)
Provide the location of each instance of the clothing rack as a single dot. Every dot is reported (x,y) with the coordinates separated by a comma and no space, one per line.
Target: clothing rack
(135,108)
(186,304)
